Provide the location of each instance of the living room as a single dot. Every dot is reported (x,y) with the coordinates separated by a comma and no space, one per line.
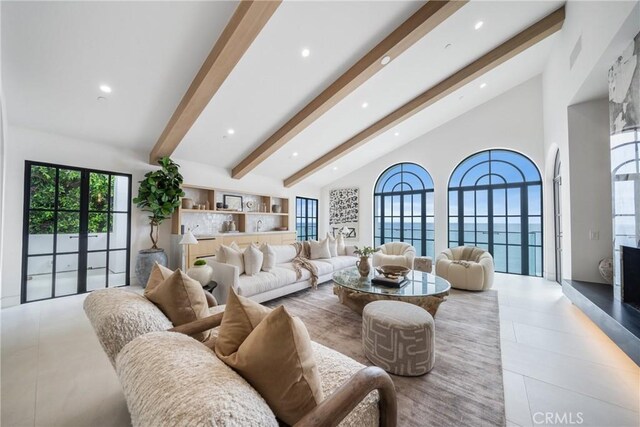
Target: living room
(481,157)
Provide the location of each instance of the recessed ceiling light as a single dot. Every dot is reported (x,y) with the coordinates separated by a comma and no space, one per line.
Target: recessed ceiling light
(335,168)
(478,25)
(105,88)
(365,104)
(483,85)
(101,99)
(231,131)
(385,60)
(305,52)
(397,133)
(295,154)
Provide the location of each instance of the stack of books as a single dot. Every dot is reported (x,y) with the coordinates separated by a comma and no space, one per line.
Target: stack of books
(396,282)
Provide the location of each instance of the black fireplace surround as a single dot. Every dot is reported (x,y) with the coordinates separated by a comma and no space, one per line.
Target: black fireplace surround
(630,276)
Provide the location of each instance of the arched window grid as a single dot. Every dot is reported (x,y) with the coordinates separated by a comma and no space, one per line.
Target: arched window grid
(404,208)
(499,210)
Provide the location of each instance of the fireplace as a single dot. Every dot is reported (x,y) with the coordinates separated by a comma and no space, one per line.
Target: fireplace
(630,276)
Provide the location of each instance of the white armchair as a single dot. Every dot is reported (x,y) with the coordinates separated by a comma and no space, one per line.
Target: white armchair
(395,253)
(466,267)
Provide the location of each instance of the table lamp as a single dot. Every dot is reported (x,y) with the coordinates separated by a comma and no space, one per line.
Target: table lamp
(187,239)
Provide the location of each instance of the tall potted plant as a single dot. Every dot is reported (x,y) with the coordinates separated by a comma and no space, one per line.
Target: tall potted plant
(159,194)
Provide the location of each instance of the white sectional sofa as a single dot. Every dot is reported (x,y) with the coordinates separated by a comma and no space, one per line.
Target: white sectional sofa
(280,281)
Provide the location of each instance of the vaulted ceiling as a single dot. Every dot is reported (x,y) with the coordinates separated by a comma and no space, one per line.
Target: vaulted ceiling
(55,55)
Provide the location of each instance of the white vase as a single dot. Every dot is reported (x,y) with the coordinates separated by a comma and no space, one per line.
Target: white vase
(201,273)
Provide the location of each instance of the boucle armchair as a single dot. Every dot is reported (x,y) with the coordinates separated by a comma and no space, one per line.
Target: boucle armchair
(466,267)
(169,378)
(395,253)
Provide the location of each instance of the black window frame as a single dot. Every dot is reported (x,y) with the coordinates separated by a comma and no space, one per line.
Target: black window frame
(524,188)
(302,221)
(379,234)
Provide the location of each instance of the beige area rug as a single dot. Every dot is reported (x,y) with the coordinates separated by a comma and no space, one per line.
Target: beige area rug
(465,386)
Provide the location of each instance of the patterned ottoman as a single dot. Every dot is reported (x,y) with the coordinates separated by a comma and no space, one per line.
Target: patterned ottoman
(398,337)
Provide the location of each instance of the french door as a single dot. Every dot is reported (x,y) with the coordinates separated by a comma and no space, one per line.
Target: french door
(76,230)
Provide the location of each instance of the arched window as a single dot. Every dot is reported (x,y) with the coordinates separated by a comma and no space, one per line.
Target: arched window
(403,208)
(495,202)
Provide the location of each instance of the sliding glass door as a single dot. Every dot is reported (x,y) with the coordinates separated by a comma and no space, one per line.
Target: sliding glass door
(77,228)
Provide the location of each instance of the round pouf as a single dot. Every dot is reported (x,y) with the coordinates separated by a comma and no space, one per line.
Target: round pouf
(398,337)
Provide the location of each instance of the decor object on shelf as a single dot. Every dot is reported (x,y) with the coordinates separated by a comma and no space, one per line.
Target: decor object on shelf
(344,211)
(187,203)
(389,328)
(466,267)
(395,253)
(276,208)
(219,205)
(363,264)
(187,239)
(605,267)
(159,193)
(201,272)
(234,203)
(250,204)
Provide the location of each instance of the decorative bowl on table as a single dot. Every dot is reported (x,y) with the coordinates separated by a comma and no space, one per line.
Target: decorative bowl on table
(393,271)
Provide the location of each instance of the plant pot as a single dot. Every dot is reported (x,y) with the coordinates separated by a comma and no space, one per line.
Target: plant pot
(187,203)
(201,273)
(363,266)
(145,261)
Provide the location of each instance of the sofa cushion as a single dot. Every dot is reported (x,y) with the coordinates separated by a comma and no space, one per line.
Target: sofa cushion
(182,300)
(277,360)
(233,256)
(265,281)
(169,379)
(305,274)
(159,273)
(220,255)
(342,247)
(253,259)
(340,262)
(269,257)
(333,245)
(284,253)
(319,249)
(241,316)
(322,266)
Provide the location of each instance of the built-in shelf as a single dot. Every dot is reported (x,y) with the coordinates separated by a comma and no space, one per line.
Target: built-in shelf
(223,212)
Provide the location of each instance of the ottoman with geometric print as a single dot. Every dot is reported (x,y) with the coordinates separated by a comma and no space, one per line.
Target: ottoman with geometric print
(398,337)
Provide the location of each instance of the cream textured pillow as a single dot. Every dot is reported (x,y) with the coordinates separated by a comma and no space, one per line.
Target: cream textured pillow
(233,256)
(182,300)
(342,247)
(253,258)
(241,316)
(159,273)
(269,259)
(333,245)
(220,255)
(320,250)
(277,360)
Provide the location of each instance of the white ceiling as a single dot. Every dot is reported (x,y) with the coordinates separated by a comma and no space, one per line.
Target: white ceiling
(149,53)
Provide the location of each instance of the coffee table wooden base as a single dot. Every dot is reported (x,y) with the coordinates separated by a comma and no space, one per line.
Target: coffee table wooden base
(357,300)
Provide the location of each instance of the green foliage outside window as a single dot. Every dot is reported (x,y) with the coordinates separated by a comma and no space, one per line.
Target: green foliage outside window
(43,196)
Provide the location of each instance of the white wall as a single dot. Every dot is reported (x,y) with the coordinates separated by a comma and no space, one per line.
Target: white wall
(599,25)
(588,124)
(27,144)
(512,120)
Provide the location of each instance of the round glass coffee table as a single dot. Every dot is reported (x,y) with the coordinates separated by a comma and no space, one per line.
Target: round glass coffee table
(424,289)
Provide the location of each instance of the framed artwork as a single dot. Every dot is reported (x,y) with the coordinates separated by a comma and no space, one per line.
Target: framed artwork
(344,205)
(235,203)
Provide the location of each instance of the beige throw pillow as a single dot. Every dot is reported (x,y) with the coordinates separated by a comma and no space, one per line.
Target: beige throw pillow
(342,247)
(333,245)
(182,300)
(220,255)
(269,259)
(319,250)
(233,256)
(253,259)
(241,316)
(159,273)
(276,358)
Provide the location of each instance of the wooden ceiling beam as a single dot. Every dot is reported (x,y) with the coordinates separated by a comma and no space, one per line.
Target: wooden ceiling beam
(517,44)
(413,29)
(241,30)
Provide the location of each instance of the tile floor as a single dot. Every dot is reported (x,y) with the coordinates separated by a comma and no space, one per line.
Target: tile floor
(559,368)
